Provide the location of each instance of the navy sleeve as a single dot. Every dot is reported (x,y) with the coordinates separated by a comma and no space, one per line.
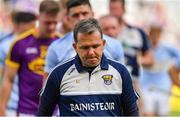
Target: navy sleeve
(129,96)
(145,40)
(50,95)
(132,110)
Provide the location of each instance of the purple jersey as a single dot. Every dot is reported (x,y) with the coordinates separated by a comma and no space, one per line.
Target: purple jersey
(27,54)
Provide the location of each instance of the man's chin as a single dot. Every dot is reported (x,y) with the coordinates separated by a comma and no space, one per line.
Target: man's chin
(93,64)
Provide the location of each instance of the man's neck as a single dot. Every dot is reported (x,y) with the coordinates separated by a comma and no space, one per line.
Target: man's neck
(64,30)
(41,35)
(89,69)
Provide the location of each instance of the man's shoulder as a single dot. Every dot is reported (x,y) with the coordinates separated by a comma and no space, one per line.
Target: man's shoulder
(64,65)
(122,69)
(24,38)
(66,39)
(135,28)
(6,42)
(4,37)
(111,40)
(115,64)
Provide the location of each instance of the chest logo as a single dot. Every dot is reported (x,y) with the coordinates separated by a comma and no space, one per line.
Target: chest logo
(31,50)
(107,79)
(37,64)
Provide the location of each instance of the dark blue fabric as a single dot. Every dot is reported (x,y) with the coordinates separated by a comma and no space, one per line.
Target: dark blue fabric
(50,96)
(123,103)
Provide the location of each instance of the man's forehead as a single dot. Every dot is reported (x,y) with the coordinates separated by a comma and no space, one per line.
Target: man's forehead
(90,43)
(79,9)
(95,36)
(91,34)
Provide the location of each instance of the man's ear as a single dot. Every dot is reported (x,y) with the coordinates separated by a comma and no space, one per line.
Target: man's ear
(74,46)
(92,14)
(104,42)
(68,18)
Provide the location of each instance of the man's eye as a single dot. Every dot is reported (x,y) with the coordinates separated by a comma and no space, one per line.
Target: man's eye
(75,15)
(85,13)
(85,48)
(95,46)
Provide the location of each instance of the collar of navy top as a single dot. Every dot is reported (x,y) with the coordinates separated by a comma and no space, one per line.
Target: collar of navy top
(103,65)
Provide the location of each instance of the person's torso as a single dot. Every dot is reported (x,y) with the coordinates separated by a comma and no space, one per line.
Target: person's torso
(98,93)
(157,75)
(32,52)
(132,41)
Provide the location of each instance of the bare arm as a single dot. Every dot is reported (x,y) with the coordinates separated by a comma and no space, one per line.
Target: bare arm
(1,73)
(46,75)
(5,90)
(146,60)
(174,75)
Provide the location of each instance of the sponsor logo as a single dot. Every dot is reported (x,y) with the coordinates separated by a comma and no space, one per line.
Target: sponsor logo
(38,63)
(31,50)
(107,79)
(92,106)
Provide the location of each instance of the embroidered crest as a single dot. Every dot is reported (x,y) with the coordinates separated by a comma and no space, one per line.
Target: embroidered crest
(107,79)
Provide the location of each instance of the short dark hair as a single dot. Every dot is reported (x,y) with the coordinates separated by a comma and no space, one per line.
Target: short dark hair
(63,3)
(87,26)
(74,3)
(121,1)
(49,7)
(22,17)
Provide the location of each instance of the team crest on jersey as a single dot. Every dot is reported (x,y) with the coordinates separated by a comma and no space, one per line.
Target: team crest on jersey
(107,79)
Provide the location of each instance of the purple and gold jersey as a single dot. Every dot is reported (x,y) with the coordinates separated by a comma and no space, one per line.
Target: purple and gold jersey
(27,54)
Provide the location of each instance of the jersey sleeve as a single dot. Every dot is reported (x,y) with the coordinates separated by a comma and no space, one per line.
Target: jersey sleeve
(50,95)
(51,59)
(14,55)
(174,53)
(129,96)
(145,40)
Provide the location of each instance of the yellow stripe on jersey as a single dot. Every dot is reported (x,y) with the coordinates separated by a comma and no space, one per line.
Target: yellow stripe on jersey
(59,34)
(25,34)
(12,64)
(20,37)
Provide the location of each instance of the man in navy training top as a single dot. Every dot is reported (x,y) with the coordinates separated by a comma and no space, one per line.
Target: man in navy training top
(89,84)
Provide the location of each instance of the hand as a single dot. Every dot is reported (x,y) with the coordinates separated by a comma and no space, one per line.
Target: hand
(145,60)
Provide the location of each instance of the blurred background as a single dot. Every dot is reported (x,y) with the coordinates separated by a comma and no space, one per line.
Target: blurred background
(141,13)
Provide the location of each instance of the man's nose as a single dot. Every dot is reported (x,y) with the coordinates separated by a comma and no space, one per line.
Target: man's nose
(91,51)
(52,26)
(81,17)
